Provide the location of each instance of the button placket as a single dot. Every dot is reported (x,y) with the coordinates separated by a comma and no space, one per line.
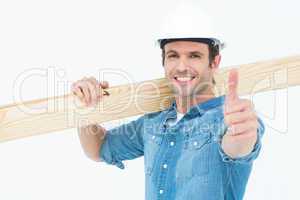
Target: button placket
(171,143)
(152,147)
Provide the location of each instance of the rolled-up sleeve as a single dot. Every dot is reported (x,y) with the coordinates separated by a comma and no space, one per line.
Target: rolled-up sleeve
(247,159)
(124,142)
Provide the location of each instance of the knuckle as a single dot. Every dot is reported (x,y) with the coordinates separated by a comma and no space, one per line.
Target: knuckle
(76,85)
(90,81)
(104,84)
(227,120)
(248,114)
(253,125)
(93,84)
(254,116)
(245,115)
(79,83)
(82,87)
(90,85)
(93,79)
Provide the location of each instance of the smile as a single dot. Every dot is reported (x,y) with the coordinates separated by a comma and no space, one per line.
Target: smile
(184,79)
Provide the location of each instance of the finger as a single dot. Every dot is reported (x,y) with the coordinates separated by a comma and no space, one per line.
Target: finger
(78,92)
(241,105)
(238,117)
(233,77)
(104,84)
(93,94)
(245,135)
(236,129)
(93,80)
(86,92)
(97,86)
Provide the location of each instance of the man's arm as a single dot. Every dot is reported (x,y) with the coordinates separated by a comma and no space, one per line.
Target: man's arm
(242,121)
(89,91)
(112,146)
(91,138)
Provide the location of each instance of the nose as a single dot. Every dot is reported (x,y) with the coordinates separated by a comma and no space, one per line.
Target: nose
(182,65)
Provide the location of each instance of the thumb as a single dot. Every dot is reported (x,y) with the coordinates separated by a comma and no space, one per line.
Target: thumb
(233,79)
(104,84)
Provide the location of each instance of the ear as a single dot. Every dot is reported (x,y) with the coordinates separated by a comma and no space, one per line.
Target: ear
(163,58)
(216,62)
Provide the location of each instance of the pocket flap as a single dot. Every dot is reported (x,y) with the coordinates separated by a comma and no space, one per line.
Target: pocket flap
(199,141)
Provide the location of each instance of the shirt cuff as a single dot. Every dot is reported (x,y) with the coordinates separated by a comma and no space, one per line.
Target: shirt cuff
(247,159)
(107,156)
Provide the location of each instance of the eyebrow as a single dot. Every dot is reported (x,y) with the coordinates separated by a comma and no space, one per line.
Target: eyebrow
(192,52)
(171,51)
(197,52)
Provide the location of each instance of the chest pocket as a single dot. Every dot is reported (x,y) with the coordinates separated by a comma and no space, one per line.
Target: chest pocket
(152,144)
(195,157)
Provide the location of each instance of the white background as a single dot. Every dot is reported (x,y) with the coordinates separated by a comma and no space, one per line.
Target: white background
(81,37)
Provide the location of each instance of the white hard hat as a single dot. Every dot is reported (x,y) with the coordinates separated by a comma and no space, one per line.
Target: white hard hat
(188,22)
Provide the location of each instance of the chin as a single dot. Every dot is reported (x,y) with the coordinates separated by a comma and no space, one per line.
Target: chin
(181,94)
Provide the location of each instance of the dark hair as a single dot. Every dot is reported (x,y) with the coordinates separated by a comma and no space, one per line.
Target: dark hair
(213,51)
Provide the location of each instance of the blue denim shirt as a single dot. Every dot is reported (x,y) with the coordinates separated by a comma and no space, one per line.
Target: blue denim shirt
(184,161)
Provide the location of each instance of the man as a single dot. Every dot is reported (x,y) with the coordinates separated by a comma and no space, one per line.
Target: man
(202,147)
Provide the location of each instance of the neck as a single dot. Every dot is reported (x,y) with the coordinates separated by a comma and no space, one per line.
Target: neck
(184,103)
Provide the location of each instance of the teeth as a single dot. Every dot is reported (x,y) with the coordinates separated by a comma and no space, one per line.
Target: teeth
(183,78)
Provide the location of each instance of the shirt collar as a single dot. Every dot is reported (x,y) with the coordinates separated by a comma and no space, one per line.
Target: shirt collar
(198,109)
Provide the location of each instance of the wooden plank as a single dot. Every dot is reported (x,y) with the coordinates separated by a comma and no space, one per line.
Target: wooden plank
(58,113)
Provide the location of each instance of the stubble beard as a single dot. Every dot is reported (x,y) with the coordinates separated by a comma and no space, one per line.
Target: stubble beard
(186,95)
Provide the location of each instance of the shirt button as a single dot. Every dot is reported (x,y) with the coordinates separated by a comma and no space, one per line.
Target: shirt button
(195,143)
(153,137)
(172,143)
(161,191)
(165,166)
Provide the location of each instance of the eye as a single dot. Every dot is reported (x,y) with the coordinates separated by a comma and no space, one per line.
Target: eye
(195,56)
(172,56)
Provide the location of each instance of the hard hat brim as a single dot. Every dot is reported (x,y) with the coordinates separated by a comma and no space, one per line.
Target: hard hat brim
(209,41)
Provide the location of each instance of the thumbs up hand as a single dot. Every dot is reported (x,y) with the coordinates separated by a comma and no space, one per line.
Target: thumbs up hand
(241,119)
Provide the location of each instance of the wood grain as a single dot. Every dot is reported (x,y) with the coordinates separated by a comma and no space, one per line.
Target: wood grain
(24,119)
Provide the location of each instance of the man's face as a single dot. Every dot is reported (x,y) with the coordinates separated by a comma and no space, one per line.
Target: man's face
(187,67)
